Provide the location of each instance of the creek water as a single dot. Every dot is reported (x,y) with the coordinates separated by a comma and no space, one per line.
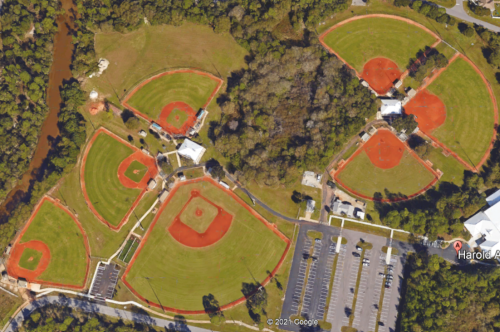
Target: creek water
(59,72)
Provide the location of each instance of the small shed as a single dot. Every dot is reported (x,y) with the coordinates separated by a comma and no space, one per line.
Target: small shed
(310,205)
(143,133)
(225,185)
(181,176)
(163,196)
(151,184)
(364,136)
(21,283)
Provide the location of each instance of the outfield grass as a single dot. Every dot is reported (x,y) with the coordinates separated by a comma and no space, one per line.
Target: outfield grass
(191,88)
(199,223)
(243,255)
(406,178)
(139,54)
(468,127)
(30,259)
(136,171)
(68,257)
(453,171)
(108,196)
(177,118)
(359,41)
(446,50)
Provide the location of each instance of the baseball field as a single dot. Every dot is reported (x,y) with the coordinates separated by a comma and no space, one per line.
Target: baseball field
(469,124)
(363,39)
(168,269)
(52,248)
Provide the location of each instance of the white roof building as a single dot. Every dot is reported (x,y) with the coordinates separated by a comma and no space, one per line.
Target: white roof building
(191,150)
(391,107)
(310,205)
(485,226)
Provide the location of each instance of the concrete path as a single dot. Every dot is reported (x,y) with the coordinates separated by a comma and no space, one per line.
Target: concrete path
(100,309)
(459,12)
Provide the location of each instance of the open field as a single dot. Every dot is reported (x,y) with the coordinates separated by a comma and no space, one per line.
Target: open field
(444,49)
(30,259)
(137,55)
(68,256)
(453,171)
(368,38)
(8,305)
(136,171)
(468,128)
(191,88)
(407,178)
(243,255)
(106,193)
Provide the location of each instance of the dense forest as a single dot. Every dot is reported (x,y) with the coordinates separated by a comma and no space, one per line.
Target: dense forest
(27,30)
(444,298)
(60,318)
(289,113)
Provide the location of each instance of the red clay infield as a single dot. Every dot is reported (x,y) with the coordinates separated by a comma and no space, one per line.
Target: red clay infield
(428,109)
(127,182)
(384,149)
(270,226)
(143,159)
(16,271)
(170,128)
(380,73)
(191,238)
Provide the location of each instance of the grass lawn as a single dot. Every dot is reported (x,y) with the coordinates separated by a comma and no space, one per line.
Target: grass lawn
(194,173)
(453,171)
(60,233)
(199,214)
(30,259)
(445,3)
(468,127)
(181,276)
(108,196)
(406,178)
(365,39)
(350,151)
(191,88)
(8,305)
(136,171)
(177,118)
(137,55)
(444,49)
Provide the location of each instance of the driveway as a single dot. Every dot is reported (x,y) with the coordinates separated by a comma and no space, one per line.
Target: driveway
(459,12)
(86,306)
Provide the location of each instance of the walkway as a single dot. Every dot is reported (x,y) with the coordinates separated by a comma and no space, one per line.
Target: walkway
(176,325)
(459,12)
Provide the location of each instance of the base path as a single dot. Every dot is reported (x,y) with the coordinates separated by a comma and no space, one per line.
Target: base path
(241,300)
(380,74)
(16,271)
(429,110)
(191,238)
(170,128)
(128,183)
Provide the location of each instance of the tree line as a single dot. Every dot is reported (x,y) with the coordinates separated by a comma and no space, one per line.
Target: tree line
(441,297)
(27,30)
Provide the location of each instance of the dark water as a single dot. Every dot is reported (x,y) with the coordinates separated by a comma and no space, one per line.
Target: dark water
(60,71)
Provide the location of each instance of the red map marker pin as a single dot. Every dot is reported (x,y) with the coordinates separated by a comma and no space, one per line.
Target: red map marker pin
(457,245)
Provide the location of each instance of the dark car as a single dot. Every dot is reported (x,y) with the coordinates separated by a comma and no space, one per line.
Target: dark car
(355,254)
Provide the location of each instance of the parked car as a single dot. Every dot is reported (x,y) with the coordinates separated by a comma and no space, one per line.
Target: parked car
(366,264)
(389,277)
(359,248)
(390,270)
(388,284)
(366,260)
(381,275)
(355,254)
(317,240)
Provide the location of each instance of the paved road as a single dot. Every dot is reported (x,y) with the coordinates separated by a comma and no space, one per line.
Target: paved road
(101,309)
(459,12)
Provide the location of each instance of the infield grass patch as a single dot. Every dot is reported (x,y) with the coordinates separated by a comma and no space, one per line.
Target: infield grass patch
(30,259)
(177,118)
(199,214)
(359,41)
(190,88)
(136,171)
(55,228)
(108,196)
(181,276)
(406,178)
(469,123)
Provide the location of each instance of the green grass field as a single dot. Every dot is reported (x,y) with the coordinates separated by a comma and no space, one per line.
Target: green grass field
(136,171)
(193,89)
(8,305)
(177,118)
(60,233)
(108,196)
(201,222)
(243,255)
(30,259)
(359,41)
(468,127)
(137,55)
(406,178)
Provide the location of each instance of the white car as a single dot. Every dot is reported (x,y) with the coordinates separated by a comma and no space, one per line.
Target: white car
(359,248)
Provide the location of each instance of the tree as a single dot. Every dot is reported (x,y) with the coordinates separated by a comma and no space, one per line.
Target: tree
(217,172)
(133,123)
(165,165)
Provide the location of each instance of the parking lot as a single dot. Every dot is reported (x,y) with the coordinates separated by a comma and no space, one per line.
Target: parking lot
(105,281)
(314,286)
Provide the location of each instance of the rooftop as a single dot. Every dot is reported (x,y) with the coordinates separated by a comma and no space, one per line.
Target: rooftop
(391,107)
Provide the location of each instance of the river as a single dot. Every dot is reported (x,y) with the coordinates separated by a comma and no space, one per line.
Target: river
(60,71)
